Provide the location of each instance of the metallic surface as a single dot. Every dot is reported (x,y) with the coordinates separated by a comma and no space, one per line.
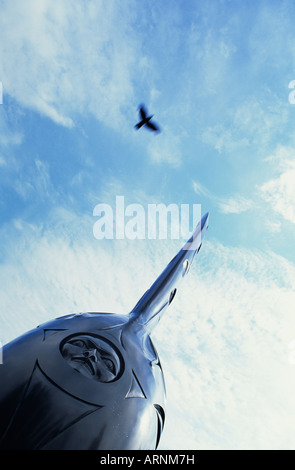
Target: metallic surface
(91,380)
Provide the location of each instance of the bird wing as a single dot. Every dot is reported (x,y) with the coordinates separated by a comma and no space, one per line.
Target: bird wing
(139,125)
(143,112)
(152,126)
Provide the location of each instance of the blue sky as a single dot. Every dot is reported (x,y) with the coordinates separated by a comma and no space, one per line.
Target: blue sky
(215,74)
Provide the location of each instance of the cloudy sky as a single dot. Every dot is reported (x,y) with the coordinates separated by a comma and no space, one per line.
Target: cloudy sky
(217,75)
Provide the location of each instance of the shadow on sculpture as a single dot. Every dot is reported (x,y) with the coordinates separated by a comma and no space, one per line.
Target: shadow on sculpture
(91,380)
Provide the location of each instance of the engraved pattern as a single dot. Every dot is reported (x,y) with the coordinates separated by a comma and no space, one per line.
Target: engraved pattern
(93,357)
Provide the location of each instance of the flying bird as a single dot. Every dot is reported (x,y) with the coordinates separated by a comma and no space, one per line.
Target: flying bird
(146,120)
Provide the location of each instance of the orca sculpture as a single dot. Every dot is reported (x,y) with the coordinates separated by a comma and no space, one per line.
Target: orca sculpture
(91,380)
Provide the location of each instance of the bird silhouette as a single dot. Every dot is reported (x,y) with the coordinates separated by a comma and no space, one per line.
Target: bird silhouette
(146,120)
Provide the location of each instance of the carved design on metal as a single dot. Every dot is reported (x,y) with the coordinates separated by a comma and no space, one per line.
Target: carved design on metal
(136,389)
(40,389)
(93,357)
(91,380)
(161,421)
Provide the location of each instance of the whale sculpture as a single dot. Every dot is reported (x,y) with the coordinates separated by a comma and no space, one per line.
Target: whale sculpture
(91,380)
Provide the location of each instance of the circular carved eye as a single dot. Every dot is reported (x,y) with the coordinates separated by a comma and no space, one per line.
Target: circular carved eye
(78,342)
(93,356)
(109,364)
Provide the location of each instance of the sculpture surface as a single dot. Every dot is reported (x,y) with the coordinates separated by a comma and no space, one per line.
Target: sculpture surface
(91,380)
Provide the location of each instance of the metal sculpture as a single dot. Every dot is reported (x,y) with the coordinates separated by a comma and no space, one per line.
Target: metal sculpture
(91,380)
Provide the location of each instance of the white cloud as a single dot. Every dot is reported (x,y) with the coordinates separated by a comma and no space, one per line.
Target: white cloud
(224,139)
(279,191)
(273,226)
(282,158)
(165,148)
(200,189)
(37,182)
(253,123)
(230,380)
(235,205)
(259,118)
(8,137)
(230,205)
(223,343)
(70,58)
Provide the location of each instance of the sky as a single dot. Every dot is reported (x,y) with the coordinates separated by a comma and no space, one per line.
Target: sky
(217,75)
